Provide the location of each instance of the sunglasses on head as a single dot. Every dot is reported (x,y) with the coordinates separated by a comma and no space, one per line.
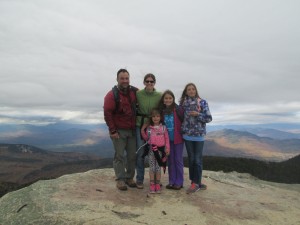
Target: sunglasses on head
(149,81)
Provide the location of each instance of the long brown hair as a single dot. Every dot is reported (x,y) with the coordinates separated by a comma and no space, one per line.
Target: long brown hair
(184,95)
(162,106)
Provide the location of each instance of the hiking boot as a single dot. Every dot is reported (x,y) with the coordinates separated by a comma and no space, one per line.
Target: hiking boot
(157,188)
(152,188)
(130,183)
(176,187)
(203,187)
(193,188)
(169,186)
(139,185)
(121,185)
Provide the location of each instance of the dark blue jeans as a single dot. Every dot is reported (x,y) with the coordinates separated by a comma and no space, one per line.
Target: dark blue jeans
(194,150)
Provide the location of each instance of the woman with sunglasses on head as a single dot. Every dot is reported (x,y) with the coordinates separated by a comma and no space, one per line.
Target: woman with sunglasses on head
(147,99)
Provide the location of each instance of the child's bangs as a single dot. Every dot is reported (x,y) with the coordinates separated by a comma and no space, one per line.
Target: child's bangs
(155,113)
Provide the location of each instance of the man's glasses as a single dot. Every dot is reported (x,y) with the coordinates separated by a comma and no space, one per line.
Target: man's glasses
(149,81)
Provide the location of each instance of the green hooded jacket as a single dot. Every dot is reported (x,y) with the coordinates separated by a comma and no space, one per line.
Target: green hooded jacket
(146,101)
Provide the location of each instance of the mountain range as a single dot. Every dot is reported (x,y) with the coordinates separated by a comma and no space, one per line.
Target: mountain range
(25,163)
(259,142)
(232,143)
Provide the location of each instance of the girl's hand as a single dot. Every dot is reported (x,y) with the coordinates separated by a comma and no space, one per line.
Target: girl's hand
(167,152)
(194,113)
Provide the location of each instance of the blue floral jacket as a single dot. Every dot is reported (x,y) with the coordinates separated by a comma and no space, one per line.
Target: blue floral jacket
(195,125)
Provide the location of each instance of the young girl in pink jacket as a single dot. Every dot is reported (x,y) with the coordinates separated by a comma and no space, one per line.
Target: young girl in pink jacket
(157,138)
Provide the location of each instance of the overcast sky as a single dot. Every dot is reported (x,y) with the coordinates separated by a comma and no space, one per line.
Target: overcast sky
(58,58)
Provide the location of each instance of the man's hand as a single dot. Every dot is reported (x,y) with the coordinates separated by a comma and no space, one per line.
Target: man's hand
(115,135)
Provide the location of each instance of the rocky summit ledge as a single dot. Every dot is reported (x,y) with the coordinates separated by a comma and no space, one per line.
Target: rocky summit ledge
(91,198)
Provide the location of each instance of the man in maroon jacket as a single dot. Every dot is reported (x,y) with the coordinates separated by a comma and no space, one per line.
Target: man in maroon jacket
(120,117)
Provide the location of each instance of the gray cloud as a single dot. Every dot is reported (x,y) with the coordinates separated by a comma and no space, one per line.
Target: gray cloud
(58,59)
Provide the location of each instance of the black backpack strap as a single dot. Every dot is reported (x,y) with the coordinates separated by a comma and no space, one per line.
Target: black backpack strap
(133,88)
(115,91)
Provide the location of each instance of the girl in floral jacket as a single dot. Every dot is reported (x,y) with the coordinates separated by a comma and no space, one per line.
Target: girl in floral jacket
(196,115)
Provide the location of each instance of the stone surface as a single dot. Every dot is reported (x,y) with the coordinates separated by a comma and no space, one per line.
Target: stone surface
(91,198)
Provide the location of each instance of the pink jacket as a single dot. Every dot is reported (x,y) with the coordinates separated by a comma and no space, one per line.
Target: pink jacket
(158,136)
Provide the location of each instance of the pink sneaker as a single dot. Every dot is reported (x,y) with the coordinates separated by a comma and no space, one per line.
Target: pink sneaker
(193,188)
(152,188)
(157,188)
